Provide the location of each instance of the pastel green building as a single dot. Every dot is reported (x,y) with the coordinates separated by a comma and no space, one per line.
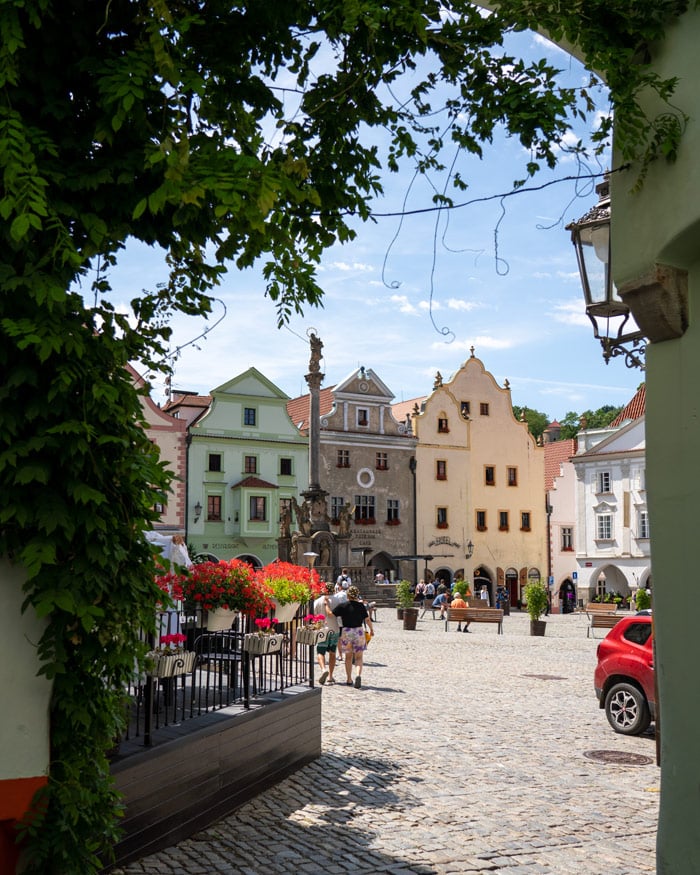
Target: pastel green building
(246,461)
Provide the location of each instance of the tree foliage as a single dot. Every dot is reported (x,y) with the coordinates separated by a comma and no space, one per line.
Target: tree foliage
(223,134)
(573,422)
(536,420)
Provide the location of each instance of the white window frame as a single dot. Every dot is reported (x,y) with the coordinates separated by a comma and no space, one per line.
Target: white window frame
(643,525)
(604,526)
(603,483)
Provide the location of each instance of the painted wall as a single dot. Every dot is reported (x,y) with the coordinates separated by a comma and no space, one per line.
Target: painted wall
(490,436)
(662,224)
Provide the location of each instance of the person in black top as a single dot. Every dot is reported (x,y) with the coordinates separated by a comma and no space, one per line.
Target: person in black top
(353,615)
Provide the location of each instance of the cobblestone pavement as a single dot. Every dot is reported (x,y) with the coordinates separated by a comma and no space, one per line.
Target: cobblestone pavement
(461,753)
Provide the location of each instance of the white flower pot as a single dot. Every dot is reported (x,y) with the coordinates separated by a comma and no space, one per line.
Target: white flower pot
(220,619)
(308,635)
(285,613)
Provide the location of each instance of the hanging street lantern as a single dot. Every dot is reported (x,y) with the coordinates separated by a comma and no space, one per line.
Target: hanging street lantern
(604,307)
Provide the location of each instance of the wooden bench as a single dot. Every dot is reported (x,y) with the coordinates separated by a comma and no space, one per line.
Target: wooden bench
(601,615)
(474,615)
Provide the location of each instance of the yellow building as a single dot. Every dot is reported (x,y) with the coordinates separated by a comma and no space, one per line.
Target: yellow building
(480,485)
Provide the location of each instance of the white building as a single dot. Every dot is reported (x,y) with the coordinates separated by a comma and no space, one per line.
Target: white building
(612,528)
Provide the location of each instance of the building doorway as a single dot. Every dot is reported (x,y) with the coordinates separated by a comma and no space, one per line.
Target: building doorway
(482,578)
(567,597)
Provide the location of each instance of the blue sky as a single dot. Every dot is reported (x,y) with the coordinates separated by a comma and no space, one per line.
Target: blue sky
(411,297)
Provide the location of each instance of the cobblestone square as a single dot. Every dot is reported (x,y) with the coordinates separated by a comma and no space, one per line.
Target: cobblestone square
(459,754)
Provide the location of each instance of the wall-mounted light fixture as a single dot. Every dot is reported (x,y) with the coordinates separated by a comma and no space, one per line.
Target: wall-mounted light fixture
(197,511)
(604,307)
(470,550)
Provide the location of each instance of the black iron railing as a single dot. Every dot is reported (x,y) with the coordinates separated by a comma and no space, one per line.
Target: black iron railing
(211,671)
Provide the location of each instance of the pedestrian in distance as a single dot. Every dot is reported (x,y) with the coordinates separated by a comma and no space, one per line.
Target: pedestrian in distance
(442,603)
(354,616)
(330,645)
(344,579)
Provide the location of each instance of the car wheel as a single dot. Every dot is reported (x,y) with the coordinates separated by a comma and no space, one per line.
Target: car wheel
(627,710)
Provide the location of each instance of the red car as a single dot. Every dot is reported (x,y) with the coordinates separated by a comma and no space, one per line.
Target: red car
(624,676)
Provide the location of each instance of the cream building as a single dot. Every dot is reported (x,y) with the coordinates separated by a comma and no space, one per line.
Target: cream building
(480,480)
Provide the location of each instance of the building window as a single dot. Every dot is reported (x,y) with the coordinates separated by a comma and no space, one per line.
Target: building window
(258,508)
(364,509)
(286,467)
(362,417)
(644,524)
(337,504)
(392,510)
(343,459)
(443,425)
(481,520)
(604,526)
(489,475)
(603,482)
(215,461)
(214,508)
(442,517)
(382,462)
(249,416)
(465,409)
(250,465)
(503,521)
(512,476)
(159,507)
(484,408)
(525,521)
(567,538)
(441,469)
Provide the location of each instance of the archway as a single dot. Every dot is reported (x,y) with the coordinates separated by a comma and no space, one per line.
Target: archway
(511,584)
(483,578)
(250,559)
(567,597)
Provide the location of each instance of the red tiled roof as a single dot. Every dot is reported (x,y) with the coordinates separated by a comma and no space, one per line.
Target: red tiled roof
(555,453)
(254,482)
(298,408)
(636,408)
(405,408)
(187,400)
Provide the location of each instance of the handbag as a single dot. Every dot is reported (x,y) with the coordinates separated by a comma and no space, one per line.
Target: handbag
(368,637)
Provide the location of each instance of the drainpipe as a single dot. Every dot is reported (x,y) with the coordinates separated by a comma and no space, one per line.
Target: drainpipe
(188,441)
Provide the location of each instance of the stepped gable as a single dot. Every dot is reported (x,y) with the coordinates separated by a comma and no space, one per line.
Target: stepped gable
(636,408)
(555,453)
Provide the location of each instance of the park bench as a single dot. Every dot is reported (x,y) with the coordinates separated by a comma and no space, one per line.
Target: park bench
(601,615)
(474,615)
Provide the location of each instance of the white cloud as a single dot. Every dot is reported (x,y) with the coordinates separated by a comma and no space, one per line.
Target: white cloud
(405,305)
(459,304)
(356,267)
(570,313)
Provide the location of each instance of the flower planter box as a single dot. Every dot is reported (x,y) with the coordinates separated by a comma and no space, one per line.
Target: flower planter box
(258,645)
(169,665)
(309,635)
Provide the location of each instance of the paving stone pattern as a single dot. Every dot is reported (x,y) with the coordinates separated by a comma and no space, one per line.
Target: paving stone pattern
(460,753)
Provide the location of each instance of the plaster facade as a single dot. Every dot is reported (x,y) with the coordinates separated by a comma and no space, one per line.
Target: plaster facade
(247,461)
(480,478)
(365,465)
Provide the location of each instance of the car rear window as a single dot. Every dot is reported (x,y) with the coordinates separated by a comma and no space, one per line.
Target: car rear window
(638,633)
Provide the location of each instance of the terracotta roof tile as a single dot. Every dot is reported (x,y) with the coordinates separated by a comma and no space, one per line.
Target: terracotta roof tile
(636,408)
(298,408)
(555,453)
(255,483)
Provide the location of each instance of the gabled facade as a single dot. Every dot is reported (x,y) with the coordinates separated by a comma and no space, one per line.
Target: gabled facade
(170,435)
(480,479)
(247,461)
(613,551)
(365,462)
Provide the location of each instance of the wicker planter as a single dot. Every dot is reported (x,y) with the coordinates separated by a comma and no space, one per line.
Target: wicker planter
(257,645)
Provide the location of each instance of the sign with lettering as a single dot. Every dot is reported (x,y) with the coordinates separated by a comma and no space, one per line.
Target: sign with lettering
(443,540)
